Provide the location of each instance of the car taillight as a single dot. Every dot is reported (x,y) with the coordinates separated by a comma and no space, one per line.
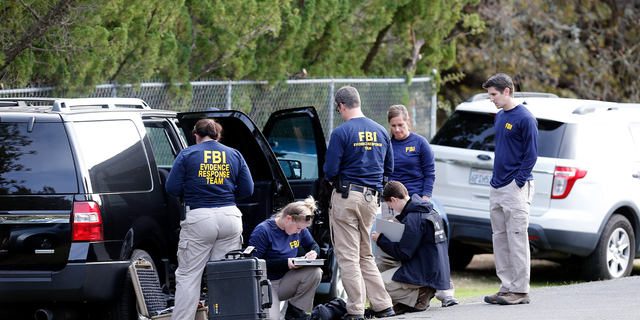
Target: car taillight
(563,180)
(87,222)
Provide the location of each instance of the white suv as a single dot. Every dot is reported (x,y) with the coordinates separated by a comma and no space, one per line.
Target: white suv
(587,181)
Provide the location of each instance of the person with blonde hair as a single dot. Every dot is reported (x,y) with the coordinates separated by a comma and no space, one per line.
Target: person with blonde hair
(414,167)
(278,241)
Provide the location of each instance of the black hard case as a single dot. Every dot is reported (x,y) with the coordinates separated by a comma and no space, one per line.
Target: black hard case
(238,288)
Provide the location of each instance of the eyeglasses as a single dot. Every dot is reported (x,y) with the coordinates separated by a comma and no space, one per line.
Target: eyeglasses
(338,107)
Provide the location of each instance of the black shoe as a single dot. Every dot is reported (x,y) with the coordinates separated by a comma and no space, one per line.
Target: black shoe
(294,313)
(449,301)
(400,308)
(353,317)
(388,312)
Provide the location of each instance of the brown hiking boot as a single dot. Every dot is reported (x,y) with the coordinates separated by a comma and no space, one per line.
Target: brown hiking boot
(493,299)
(514,298)
(424,297)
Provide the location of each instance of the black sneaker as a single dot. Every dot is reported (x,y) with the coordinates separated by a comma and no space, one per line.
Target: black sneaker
(388,312)
(294,313)
(449,301)
(353,317)
(401,308)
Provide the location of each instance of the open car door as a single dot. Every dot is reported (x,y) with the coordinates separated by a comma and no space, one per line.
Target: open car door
(297,139)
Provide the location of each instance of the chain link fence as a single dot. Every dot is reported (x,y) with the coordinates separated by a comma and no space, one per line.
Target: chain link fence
(259,99)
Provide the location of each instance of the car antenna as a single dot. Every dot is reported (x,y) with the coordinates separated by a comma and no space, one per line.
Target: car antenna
(520,85)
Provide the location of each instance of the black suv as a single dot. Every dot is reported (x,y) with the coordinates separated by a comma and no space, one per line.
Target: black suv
(82,194)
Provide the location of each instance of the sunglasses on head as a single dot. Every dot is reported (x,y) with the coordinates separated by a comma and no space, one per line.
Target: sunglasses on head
(307,218)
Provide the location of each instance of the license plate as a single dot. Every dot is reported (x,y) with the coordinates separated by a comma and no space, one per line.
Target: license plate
(481,177)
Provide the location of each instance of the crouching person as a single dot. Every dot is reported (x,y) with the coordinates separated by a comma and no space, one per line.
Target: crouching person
(277,241)
(422,251)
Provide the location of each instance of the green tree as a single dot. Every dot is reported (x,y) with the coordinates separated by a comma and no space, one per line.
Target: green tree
(580,48)
(76,44)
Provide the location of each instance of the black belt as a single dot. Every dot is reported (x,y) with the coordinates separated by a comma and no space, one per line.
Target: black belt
(193,208)
(363,189)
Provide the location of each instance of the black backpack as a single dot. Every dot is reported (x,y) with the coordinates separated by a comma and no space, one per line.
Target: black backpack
(332,310)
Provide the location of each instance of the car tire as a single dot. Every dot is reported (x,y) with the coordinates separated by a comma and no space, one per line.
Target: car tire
(459,258)
(614,253)
(125,308)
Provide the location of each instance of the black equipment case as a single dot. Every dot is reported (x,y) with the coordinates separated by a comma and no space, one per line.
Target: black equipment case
(237,287)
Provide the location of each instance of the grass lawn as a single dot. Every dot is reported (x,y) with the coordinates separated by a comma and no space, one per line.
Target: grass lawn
(479,278)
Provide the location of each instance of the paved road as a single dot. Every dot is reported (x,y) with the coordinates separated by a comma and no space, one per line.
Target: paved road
(601,300)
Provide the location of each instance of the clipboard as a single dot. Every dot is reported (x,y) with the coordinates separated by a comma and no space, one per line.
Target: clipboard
(393,231)
(308,262)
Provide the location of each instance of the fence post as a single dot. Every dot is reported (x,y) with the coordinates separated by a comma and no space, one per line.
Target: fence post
(330,107)
(229,95)
(434,112)
(114,90)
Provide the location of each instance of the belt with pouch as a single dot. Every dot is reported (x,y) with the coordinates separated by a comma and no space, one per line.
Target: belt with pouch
(364,190)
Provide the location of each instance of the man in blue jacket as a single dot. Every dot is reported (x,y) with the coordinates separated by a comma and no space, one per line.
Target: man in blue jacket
(359,155)
(422,250)
(512,189)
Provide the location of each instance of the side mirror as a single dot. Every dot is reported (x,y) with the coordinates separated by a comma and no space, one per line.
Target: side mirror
(292,168)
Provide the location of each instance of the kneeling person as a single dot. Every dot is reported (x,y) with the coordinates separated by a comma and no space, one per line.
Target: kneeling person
(277,241)
(422,250)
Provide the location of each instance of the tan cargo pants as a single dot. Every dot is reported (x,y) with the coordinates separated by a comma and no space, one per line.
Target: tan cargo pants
(298,286)
(509,210)
(206,234)
(351,221)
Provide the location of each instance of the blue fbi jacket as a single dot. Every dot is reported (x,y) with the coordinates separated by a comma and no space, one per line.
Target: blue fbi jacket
(209,175)
(516,150)
(359,150)
(414,164)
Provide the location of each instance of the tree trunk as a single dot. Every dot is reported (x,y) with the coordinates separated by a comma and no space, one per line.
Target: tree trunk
(53,17)
(375,49)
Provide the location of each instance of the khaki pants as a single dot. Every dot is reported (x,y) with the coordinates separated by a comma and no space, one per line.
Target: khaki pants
(509,209)
(351,222)
(400,292)
(387,213)
(440,294)
(298,286)
(207,234)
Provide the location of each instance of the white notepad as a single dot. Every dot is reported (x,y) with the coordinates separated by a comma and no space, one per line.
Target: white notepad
(393,231)
(308,262)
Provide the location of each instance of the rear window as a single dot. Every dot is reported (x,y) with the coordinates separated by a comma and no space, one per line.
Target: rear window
(114,156)
(36,162)
(475,131)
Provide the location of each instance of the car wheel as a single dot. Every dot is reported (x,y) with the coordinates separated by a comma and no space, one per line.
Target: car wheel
(459,258)
(614,253)
(125,308)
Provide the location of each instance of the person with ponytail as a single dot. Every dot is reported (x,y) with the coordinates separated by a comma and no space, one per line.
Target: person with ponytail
(210,177)
(278,241)
(414,167)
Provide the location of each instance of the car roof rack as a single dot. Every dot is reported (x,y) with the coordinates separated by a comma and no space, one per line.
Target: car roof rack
(592,108)
(483,96)
(65,104)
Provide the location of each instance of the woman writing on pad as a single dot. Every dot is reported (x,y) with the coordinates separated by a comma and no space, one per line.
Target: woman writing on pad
(278,241)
